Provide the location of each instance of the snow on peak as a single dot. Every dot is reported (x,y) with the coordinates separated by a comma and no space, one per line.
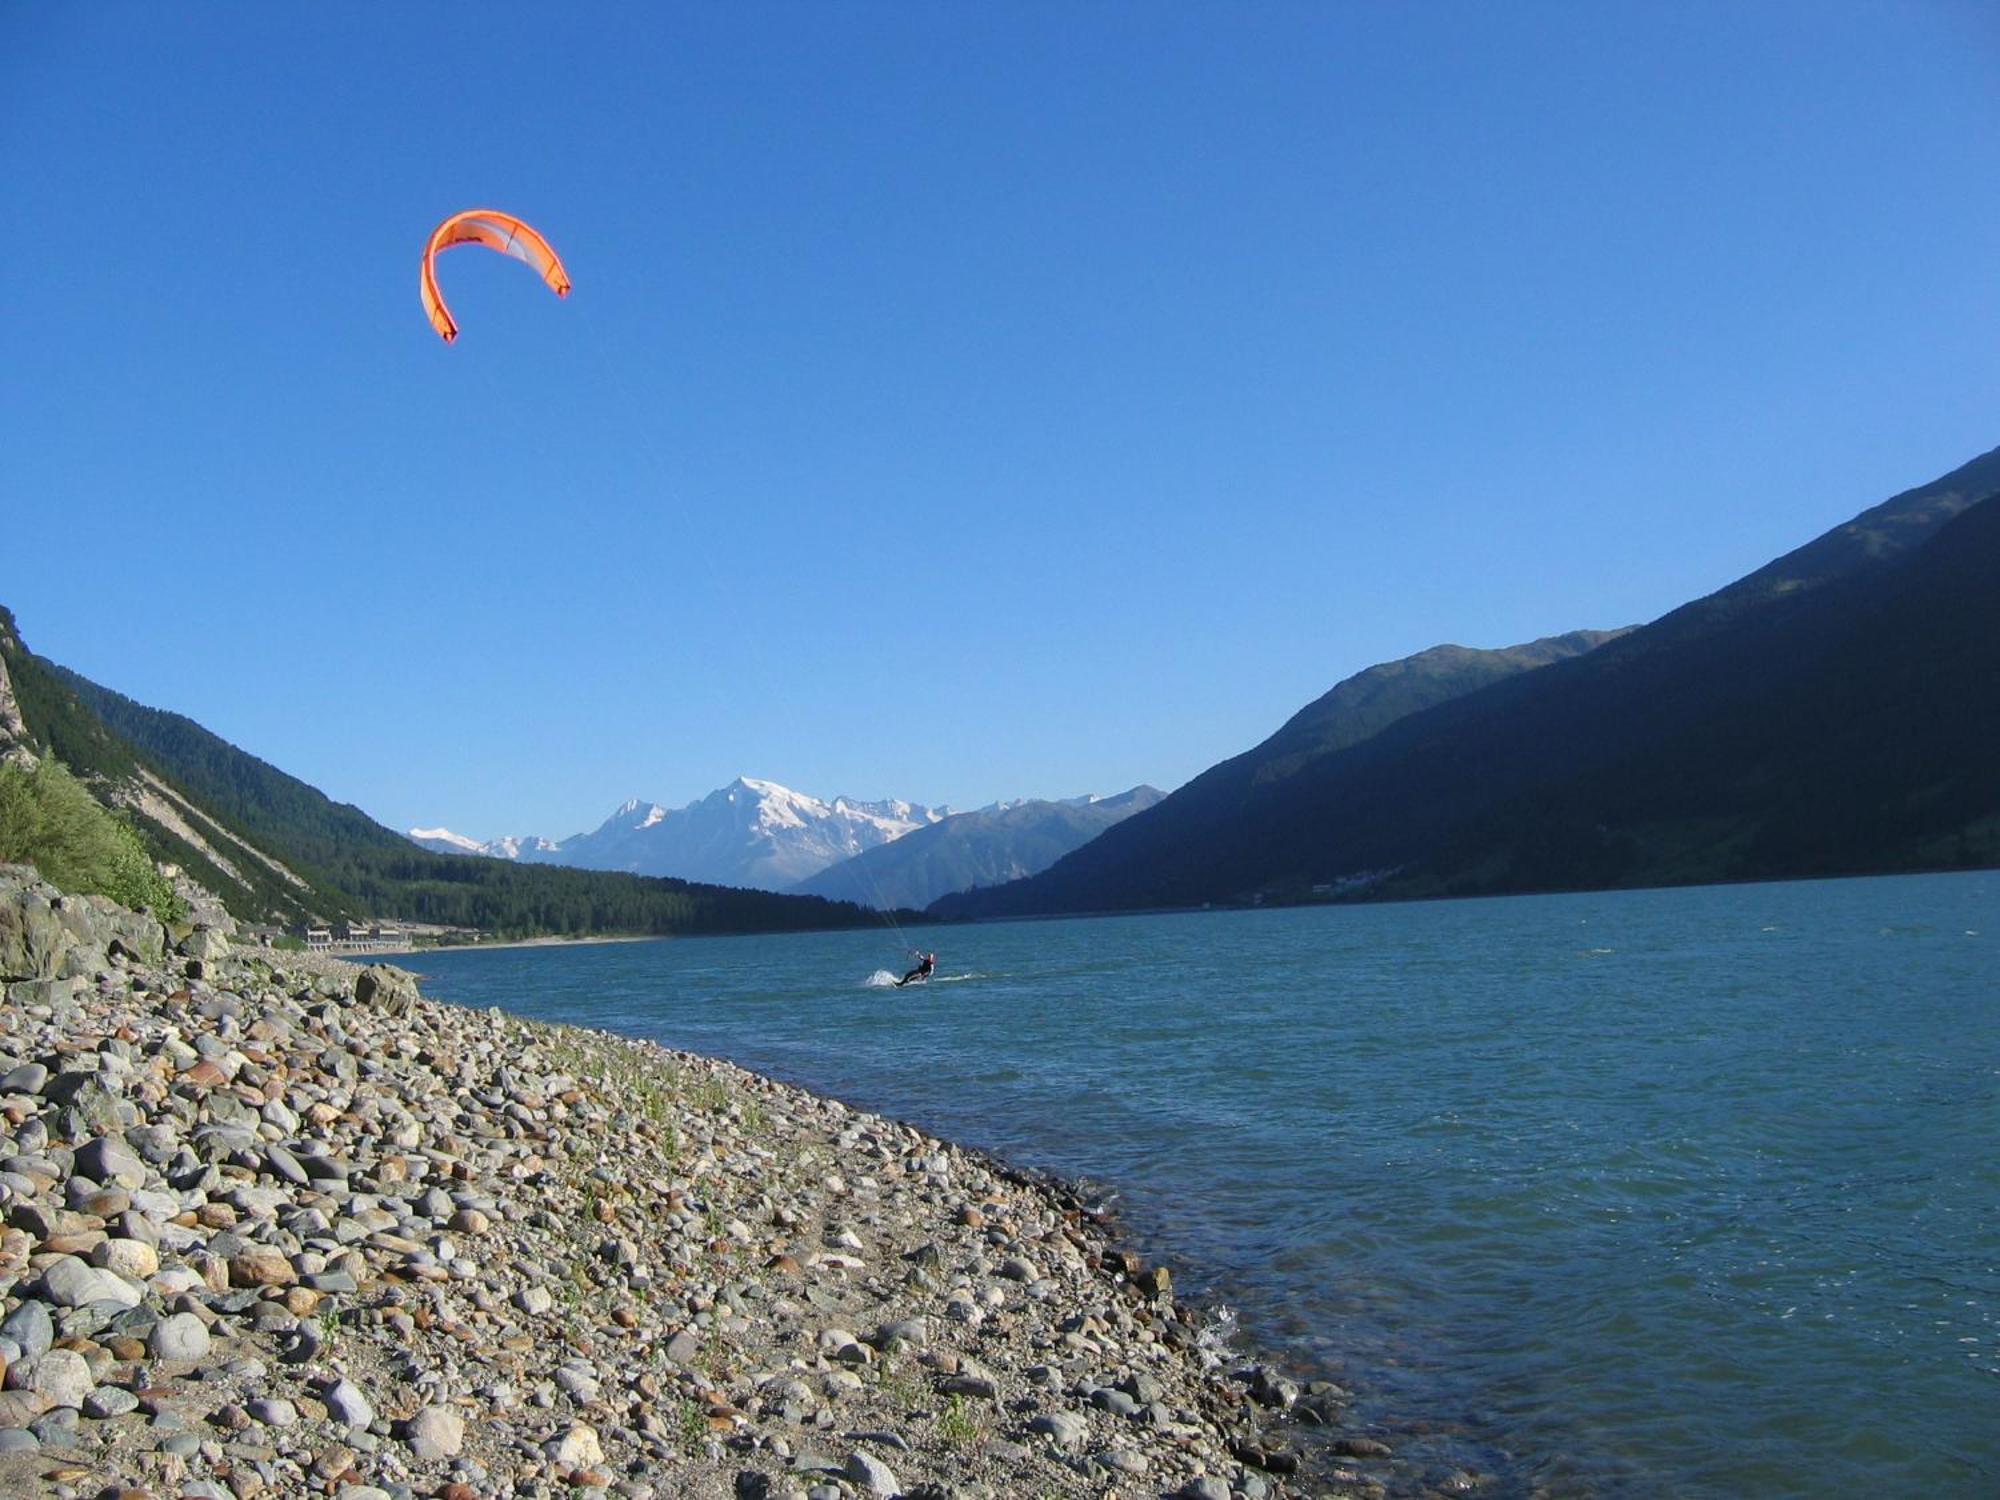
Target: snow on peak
(751,832)
(432,837)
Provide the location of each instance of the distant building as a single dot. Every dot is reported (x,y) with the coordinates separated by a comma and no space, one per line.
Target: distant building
(364,937)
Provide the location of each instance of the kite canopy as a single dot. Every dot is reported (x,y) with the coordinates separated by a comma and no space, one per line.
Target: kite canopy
(496,231)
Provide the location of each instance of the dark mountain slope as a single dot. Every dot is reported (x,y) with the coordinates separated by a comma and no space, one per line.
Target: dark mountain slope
(1204,813)
(1711,744)
(267,804)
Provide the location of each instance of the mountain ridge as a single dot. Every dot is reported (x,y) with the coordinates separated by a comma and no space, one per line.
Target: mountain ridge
(1500,789)
(751,833)
(276,849)
(987,846)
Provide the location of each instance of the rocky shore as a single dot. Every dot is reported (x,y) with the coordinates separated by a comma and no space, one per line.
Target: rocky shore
(278,1225)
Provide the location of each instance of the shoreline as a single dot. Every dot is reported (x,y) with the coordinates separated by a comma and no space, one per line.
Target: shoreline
(548,1260)
(375,955)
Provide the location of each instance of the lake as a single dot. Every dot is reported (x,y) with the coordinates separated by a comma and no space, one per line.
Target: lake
(1690,1192)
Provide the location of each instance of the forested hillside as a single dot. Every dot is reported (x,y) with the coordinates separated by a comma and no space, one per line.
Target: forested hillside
(277,849)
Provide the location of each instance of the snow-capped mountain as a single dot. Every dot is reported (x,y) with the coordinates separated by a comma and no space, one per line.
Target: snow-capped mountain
(750,833)
(1000,842)
(444,841)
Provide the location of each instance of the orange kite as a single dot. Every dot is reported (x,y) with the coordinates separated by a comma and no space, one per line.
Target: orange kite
(496,231)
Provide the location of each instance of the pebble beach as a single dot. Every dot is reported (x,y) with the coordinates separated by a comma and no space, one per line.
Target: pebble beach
(277,1224)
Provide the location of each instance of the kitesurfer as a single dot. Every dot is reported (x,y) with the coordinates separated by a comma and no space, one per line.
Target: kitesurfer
(923,970)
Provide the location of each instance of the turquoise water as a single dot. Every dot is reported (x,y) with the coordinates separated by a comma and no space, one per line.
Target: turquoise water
(1687,1192)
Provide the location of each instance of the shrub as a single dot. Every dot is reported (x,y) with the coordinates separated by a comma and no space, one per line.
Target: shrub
(48,819)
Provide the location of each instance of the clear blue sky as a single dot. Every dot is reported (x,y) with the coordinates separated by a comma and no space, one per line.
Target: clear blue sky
(956,401)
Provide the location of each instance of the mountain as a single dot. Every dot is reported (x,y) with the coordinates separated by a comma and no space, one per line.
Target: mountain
(444,841)
(276,849)
(1352,711)
(754,834)
(1833,712)
(988,847)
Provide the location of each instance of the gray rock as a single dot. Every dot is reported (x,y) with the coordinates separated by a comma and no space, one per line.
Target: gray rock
(204,943)
(1116,1402)
(1124,1461)
(285,1165)
(872,1474)
(32,936)
(386,988)
(26,1079)
(346,1406)
(913,1332)
(56,1429)
(1069,1429)
(109,1160)
(183,1337)
(18,1440)
(274,1411)
(1207,1487)
(435,1433)
(29,1329)
(109,1401)
(61,1376)
(70,1282)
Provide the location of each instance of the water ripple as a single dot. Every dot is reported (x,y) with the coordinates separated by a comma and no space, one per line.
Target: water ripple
(1647,1193)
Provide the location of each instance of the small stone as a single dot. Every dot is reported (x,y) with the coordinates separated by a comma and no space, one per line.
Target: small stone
(256,1266)
(109,1401)
(334,1461)
(69,1282)
(107,1159)
(1068,1429)
(435,1433)
(182,1338)
(19,1408)
(28,1328)
(134,1258)
(577,1448)
(1116,1402)
(346,1406)
(872,1474)
(61,1375)
(274,1411)
(26,1079)
(1361,1447)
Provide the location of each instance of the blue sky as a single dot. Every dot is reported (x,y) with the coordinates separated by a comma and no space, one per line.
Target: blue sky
(955,402)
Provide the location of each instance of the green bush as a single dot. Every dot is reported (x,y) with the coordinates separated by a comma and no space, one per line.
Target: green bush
(48,819)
